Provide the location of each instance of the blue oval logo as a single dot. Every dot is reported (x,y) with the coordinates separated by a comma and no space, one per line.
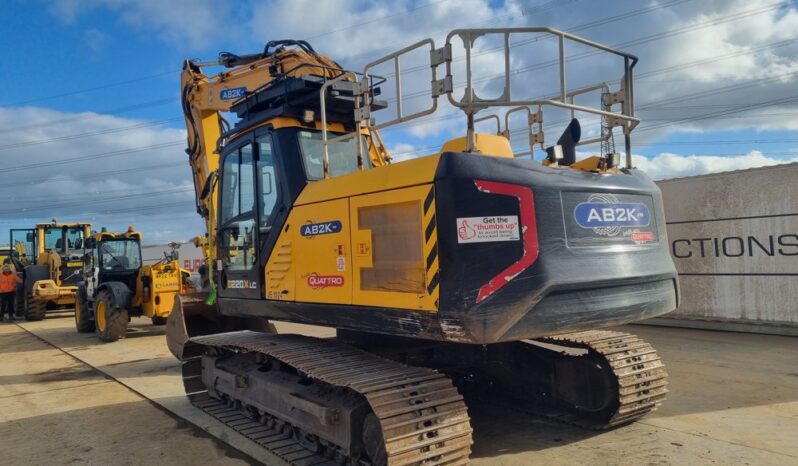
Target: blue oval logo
(234,93)
(325,228)
(602,215)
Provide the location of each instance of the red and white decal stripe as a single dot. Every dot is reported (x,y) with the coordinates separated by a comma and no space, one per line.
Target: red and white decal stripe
(529,234)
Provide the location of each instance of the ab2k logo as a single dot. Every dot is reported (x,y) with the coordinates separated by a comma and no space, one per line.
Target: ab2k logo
(324,228)
(605,215)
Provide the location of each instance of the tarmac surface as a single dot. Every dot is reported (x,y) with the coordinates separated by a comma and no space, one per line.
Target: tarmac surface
(67,398)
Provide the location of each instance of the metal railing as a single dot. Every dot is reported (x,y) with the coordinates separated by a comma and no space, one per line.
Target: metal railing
(471,103)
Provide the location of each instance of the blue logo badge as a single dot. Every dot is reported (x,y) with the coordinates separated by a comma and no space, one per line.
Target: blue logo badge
(234,93)
(608,215)
(324,228)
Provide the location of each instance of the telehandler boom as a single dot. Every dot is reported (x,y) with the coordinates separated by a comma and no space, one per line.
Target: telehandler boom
(468,271)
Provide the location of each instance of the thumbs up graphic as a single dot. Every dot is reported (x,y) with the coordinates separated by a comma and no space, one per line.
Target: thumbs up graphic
(465,231)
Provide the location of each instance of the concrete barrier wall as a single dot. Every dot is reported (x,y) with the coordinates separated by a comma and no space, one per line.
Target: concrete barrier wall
(734,239)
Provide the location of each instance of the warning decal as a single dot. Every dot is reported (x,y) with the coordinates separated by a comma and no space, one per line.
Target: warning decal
(488,229)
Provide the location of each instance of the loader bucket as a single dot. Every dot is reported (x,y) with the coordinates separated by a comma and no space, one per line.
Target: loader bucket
(192,317)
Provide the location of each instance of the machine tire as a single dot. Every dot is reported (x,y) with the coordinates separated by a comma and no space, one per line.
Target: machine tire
(35,309)
(19,305)
(83,322)
(110,319)
(158,320)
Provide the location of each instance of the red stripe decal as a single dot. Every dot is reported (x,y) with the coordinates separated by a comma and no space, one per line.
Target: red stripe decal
(528,229)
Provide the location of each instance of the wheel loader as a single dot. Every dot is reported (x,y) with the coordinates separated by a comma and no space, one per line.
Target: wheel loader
(470,273)
(49,258)
(115,285)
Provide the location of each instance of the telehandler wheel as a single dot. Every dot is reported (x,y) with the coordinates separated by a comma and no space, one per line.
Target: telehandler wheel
(110,319)
(35,309)
(158,320)
(83,321)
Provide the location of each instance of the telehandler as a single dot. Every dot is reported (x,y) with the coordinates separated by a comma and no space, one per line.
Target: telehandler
(470,270)
(116,285)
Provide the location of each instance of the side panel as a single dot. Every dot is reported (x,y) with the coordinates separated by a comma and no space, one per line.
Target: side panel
(394,240)
(320,234)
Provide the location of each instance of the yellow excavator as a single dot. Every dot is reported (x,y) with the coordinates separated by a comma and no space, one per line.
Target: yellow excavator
(468,272)
(50,259)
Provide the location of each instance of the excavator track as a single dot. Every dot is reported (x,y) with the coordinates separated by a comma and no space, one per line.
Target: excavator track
(638,375)
(422,417)
(592,379)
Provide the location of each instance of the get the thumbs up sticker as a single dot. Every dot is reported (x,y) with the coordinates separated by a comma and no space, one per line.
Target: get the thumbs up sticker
(488,229)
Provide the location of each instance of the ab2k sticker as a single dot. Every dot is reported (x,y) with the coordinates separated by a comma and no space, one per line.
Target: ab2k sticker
(603,215)
(233,93)
(324,228)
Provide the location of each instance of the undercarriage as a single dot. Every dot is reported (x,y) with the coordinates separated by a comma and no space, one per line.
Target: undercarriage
(363,399)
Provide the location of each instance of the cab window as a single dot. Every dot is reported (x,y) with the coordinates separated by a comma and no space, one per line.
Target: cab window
(54,238)
(120,255)
(269,185)
(238,197)
(343,154)
(237,216)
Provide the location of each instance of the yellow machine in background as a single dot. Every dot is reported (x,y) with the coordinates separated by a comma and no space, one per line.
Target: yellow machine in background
(116,286)
(49,258)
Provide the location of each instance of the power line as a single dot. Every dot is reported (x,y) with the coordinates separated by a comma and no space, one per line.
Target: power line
(93,156)
(85,194)
(575,29)
(93,115)
(89,89)
(89,175)
(21,211)
(102,132)
(622,45)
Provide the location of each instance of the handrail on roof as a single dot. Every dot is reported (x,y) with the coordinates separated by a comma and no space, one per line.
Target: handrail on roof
(471,103)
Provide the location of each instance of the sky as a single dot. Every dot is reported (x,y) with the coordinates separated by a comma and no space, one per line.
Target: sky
(91,126)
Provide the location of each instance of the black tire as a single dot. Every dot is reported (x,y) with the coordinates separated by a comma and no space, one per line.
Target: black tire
(19,304)
(158,320)
(35,309)
(83,321)
(110,319)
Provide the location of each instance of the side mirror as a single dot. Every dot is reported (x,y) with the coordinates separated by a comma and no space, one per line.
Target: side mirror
(29,237)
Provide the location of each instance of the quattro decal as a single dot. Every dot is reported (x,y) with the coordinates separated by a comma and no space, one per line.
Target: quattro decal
(310,230)
(318,282)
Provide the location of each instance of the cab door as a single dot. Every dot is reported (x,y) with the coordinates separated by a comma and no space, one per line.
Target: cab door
(238,271)
(23,245)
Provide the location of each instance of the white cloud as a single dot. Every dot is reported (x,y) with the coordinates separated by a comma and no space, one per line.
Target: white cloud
(189,24)
(123,184)
(668,165)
